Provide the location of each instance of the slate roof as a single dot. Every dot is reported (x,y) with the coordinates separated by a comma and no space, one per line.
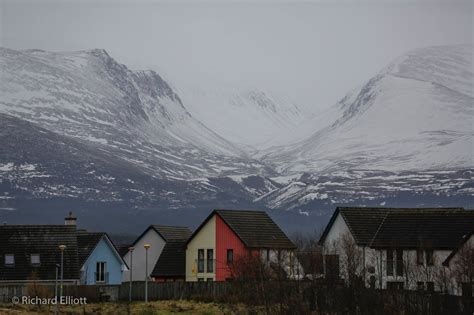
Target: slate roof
(362,222)
(24,240)
(405,227)
(433,228)
(86,242)
(122,249)
(167,232)
(170,233)
(254,228)
(172,261)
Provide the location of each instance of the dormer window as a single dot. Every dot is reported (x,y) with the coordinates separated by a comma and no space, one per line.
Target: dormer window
(9,260)
(35,259)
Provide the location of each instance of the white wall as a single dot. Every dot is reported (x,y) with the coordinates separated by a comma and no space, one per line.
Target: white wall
(157,243)
(338,229)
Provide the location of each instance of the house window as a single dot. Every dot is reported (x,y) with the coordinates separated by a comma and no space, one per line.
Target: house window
(100,273)
(9,259)
(399,265)
(419,257)
(200,260)
(332,266)
(389,262)
(210,260)
(430,286)
(429,257)
(230,256)
(35,259)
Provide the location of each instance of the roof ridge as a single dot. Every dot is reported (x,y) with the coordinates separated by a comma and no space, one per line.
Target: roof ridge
(176,226)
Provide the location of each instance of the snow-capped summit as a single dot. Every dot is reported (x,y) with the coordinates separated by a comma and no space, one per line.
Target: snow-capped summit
(416,114)
(136,114)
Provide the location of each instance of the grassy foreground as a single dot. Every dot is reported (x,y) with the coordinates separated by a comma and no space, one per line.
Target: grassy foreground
(138,308)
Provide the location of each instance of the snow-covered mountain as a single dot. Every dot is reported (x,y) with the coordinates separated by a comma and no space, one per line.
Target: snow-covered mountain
(252,118)
(134,114)
(79,126)
(415,116)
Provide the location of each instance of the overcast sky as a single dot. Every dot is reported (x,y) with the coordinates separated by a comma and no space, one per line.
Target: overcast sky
(311,52)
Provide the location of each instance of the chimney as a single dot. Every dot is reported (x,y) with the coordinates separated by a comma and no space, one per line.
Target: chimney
(70,220)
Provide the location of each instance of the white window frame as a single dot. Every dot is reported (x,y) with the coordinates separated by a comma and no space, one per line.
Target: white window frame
(101,273)
(35,263)
(11,261)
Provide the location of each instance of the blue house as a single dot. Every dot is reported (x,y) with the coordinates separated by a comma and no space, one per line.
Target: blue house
(99,261)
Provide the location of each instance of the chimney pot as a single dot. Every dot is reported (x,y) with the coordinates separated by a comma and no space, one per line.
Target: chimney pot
(70,219)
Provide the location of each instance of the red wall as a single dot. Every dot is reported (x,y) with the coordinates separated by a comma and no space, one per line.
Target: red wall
(226,239)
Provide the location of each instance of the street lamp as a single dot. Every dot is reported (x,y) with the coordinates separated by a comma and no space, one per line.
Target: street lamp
(61,248)
(56,290)
(130,249)
(147,246)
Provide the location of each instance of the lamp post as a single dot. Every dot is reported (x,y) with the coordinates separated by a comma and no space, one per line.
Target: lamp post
(61,248)
(56,290)
(146,246)
(130,249)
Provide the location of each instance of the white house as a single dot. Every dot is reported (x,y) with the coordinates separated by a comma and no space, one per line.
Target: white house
(394,248)
(157,237)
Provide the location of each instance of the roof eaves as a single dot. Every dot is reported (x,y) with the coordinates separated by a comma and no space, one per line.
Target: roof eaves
(329,226)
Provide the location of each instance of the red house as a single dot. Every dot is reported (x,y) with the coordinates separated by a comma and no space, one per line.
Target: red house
(225,236)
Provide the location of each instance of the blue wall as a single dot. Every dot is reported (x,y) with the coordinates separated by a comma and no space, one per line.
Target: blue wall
(103,252)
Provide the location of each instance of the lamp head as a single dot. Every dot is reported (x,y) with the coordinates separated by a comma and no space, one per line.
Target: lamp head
(62,247)
(147,246)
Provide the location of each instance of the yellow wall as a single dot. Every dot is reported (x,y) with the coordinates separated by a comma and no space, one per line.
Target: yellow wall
(205,239)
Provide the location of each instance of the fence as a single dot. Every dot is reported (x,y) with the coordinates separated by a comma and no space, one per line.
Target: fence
(176,290)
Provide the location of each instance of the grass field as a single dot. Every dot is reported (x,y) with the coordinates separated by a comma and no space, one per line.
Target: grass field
(138,308)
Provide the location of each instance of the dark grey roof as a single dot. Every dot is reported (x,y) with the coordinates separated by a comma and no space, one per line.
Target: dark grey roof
(122,249)
(86,242)
(405,227)
(172,260)
(441,228)
(167,232)
(362,222)
(24,240)
(255,228)
(170,233)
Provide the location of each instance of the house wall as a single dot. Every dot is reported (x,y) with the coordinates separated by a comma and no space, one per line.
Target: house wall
(452,271)
(226,239)
(114,267)
(204,239)
(157,243)
(412,271)
(338,229)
